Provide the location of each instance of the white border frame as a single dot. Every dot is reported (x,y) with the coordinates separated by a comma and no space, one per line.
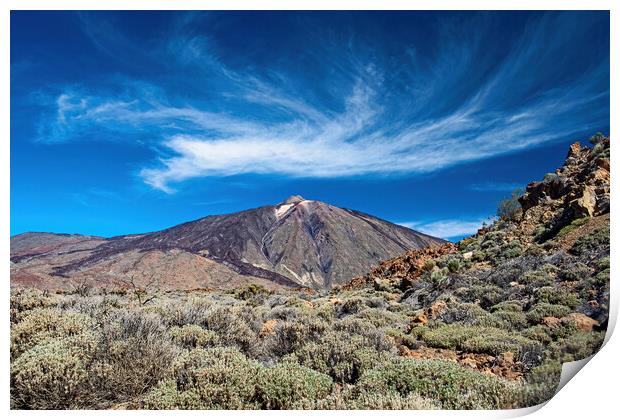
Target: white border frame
(592,395)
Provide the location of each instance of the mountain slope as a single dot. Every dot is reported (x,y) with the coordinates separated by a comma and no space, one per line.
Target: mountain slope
(523,295)
(296,243)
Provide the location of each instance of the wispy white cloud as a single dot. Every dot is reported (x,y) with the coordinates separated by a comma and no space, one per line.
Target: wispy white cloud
(368,127)
(448,229)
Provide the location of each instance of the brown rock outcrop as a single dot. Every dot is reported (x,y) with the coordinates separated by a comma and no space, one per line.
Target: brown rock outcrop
(581,321)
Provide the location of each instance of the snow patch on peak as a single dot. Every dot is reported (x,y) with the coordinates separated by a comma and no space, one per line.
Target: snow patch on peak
(281,210)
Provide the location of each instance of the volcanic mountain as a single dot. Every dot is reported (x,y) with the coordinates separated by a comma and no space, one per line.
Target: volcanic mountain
(296,243)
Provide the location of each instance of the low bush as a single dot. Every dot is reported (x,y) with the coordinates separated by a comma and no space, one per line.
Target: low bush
(52,374)
(134,353)
(576,346)
(216,378)
(42,324)
(575,272)
(250,291)
(558,296)
(289,336)
(510,208)
(281,386)
(231,328)
(484,295)
(367,400)
(464,313)
(342,356)
(191,336)
(439,277)
(512,319)
(536,278)
(446,382)
(508,306)
(540,385)
(477,339)
(591,242)
(542,310)
(601,279)
(573,225)
(28,299)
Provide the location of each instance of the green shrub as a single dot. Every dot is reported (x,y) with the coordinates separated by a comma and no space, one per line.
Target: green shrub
(557,296)
(508,305)
(598,138)
(576,346)
(28,299)
(573,225)
(452,386)
(281,386)
(465,313)
(477,339)
(540,385)
(52,374)
(351,306)
(512,319)
(429,265)
(454,265)
(510,208)
(591,242)
(290,336)
(485,295)
(42,324)
(367,400)
(380,318)
(511,250)
(439,276)
(134,354)
(231,328)
(575,272)
(601,279)
(536,278)
(250,291)
(342,356)
(215,378)
(603,264)
(190,336)
(538,333)
(541,310)
(391,401)
(467,244)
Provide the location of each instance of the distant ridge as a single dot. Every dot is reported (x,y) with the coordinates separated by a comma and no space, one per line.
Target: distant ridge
(295,243)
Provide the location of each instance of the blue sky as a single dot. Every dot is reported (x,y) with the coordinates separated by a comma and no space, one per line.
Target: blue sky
(127,122)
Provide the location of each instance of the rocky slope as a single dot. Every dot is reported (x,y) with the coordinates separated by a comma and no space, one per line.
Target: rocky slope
(296,243)
(523,295)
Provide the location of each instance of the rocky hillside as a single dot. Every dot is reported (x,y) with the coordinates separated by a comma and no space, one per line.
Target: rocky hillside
(522,295)
(296,243)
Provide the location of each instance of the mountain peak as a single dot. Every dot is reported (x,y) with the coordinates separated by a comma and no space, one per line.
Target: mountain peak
(296,243)
(294,199)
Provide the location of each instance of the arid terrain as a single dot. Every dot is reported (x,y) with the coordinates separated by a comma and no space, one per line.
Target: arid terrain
(485,323)
(296,243)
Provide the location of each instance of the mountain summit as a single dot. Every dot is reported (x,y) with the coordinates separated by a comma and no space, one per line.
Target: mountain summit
(296,243)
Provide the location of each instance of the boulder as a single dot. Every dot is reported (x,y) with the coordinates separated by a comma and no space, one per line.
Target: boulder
(603,163)
(551,321)
(585,206)
(581,321)
(417,320)
(574,150)
(436,308)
